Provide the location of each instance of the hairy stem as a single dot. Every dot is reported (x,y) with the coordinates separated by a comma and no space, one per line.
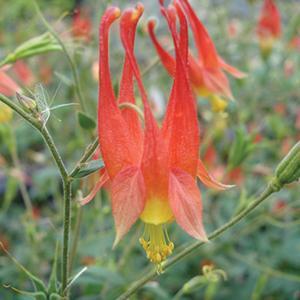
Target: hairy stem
(87,154)
(66,237)
(193,246)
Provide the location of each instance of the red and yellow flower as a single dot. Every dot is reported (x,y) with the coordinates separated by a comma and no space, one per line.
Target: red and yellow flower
(152,169)
(269,26)
(8,87)
(206,70)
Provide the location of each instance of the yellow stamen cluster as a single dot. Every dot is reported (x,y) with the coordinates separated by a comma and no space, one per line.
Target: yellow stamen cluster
(156,244)
(218,104)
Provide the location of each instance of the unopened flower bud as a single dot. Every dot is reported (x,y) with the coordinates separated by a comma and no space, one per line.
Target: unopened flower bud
(288,169)
(27,103)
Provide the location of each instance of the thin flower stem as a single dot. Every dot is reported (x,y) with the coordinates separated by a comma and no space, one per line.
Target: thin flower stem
(53,149)
(87,154)
(66,237)
(66,185)
(193,246)
(77,83)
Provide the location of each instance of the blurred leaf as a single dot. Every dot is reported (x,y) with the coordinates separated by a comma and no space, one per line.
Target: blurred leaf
(38,284)
(85,121)
(11,189)
(53,283)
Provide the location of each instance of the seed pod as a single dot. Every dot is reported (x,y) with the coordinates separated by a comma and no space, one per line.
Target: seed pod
(288,169)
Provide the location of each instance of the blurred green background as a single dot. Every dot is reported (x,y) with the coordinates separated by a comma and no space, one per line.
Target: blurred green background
(242,146)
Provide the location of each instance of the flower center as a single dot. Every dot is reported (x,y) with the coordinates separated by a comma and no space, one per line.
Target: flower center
(156,244)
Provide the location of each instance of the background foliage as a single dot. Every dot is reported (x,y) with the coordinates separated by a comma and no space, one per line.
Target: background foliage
(261,256)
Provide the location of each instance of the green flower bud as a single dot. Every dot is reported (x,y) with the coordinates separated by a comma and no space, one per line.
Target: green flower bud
(288,169)
(37,45)
(27,103)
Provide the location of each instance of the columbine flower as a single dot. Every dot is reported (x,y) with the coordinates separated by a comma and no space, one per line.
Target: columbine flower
(206,70)
(152,170)
(268,28)
(8,87)
(82,25)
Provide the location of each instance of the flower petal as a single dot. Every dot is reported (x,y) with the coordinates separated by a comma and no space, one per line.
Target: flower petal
(206,49)
(185,202)
(118,148)
(180,126)
(231,70)
(128,199)
(102,180)
(166,58)
(126,86)
(209,180)
(154,161)
(8,87)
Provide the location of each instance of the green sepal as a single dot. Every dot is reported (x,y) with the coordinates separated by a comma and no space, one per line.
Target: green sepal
(89,168)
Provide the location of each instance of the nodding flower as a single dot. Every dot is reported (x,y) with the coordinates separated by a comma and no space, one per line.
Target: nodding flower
(152,170)
(206,69)
(269,27)
(8,87)
(82,25)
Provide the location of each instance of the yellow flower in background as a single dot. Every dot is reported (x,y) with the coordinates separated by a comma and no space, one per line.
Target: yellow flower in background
(5,113)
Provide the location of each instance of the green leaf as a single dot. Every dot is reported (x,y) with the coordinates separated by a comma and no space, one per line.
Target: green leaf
(36,295)
(38,284)
(85,121)
(89,167)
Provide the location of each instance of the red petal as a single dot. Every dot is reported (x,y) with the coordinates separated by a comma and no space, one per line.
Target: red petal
(118,148)
(102,180)
(8,87)
(154,160)
(231,70)
(216,82)
(126,86)
(185,202)
(208,179)
(206,48)
(166,58)
(270,21)
(180,126)
(128,199)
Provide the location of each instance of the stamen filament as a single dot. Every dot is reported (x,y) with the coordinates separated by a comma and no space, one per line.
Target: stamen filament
(157,245)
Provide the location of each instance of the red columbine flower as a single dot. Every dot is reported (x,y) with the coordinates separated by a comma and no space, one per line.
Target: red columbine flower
(206,70)
(82,25)
(152,170)
(8,87)
(268,28)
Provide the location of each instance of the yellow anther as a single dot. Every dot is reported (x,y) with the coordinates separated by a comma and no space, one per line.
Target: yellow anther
(156,244)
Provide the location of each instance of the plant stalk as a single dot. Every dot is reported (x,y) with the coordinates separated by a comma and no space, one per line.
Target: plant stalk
(193,246)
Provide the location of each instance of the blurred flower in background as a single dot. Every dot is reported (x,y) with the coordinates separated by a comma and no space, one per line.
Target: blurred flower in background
(269,27)
(206,70)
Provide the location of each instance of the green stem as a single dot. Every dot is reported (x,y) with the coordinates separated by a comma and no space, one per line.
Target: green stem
(87,154)
(77,83)
(56,156)
(66,237)
(65,179)
(193,246)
